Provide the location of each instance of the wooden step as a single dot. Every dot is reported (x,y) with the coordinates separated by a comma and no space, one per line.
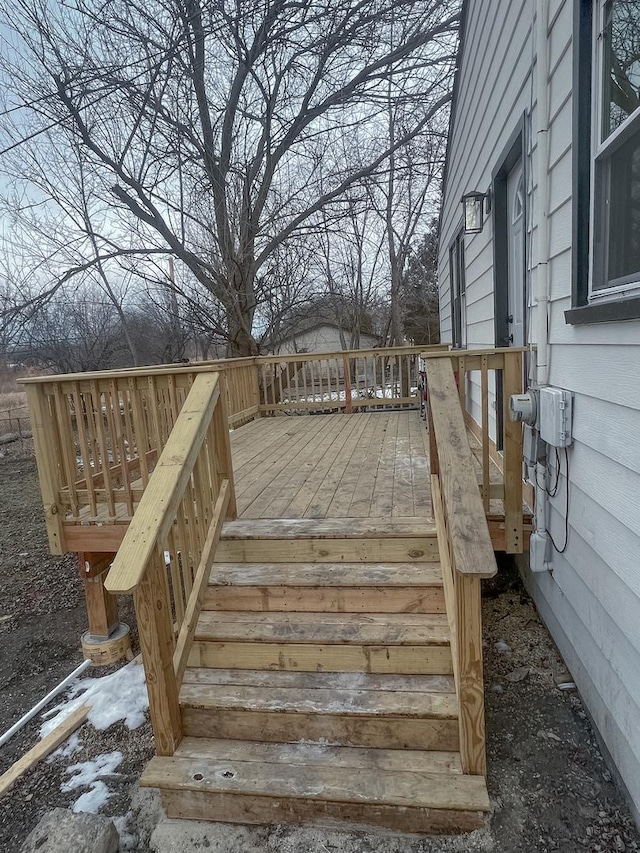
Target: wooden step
(328,528)
(403,643)
(340,587)
(350,710)
(275,783)
(338,540)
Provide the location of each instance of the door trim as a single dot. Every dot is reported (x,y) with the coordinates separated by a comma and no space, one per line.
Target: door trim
(511,153)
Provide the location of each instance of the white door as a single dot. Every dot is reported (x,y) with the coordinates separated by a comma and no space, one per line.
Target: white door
(516,220)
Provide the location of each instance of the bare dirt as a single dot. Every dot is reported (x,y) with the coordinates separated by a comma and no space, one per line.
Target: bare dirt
(550,787)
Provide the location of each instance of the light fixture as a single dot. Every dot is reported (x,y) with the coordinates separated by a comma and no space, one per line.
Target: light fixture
(473,210)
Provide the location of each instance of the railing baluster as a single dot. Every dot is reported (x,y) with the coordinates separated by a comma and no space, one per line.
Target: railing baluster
(484,390)
(140,432)
(104,449)
(78,404)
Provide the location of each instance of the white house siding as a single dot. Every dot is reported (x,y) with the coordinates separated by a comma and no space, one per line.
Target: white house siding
(591,601)
(325,338)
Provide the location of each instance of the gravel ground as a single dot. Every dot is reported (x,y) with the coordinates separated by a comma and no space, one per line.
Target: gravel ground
(549,785)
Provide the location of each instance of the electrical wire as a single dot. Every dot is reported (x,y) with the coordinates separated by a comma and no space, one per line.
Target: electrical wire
(566,509)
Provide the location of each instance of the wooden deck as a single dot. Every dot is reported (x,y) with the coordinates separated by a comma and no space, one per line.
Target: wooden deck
(305,578)
(333,466)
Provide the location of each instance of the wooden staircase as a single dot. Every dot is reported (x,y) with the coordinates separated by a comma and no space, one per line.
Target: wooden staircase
(319,686)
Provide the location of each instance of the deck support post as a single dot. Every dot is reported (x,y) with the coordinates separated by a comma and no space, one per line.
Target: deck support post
(102,606)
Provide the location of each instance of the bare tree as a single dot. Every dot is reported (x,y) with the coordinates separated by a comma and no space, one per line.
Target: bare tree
(219,130)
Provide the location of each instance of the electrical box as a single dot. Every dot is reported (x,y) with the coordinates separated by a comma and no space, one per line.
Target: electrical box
(534,449)
(555,414)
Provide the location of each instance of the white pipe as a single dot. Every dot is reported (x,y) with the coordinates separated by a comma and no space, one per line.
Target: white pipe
(542,202)
(45,701)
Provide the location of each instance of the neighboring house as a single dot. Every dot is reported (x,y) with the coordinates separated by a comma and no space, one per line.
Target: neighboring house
(319,337)
(546,123)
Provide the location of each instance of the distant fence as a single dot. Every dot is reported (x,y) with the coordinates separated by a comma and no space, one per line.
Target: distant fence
(15,428)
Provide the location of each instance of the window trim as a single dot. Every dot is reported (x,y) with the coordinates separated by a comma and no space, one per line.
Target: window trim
(618,306)
(457,277)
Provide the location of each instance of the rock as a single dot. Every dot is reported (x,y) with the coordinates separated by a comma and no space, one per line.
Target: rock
(503,647)
(518,674)
(81,833)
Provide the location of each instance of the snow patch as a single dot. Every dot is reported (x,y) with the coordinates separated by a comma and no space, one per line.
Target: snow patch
(119,696)
(87,774)
(92,801)
(128,841)
(68,748)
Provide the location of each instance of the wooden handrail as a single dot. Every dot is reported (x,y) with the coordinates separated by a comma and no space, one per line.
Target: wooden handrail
(496,374)
(161,498)
(466,553)
(430,353)
(350,353)
(471,543)
(130,372)
(169,547)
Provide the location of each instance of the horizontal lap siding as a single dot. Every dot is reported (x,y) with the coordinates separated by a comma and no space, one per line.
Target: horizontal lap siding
(594,591)
(480,125)
(591,601)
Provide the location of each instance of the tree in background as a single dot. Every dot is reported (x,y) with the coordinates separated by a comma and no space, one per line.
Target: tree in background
(220,132)
(419,289)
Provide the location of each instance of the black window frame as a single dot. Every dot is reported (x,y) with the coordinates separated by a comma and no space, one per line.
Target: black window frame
(582,311)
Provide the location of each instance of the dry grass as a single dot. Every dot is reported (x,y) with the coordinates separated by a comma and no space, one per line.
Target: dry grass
(12,395)
(12,401)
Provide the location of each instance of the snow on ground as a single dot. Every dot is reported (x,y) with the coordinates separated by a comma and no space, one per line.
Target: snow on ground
(119,696)
(93,800)
(68,748)
(88,774)
(128,841)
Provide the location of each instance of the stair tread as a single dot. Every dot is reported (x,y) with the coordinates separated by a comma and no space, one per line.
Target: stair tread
(320,754)
(328,528)
(326,628)
(321,680)
(291,700)
(334,783)
(420,574)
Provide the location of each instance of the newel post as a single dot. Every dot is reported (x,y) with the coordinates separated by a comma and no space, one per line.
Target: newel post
(155,628)
(47,454)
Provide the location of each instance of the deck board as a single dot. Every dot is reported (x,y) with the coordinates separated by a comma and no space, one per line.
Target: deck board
(332,466)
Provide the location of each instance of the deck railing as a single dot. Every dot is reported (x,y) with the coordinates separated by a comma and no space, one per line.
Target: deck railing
(466,553)
(485,380)
(168,550)
(98,436)
(348,381)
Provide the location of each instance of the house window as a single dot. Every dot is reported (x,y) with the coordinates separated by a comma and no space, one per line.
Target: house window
(458,292)
(616,244)
(606,180)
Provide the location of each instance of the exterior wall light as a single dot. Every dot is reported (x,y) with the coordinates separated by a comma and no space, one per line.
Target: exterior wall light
(473,210)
